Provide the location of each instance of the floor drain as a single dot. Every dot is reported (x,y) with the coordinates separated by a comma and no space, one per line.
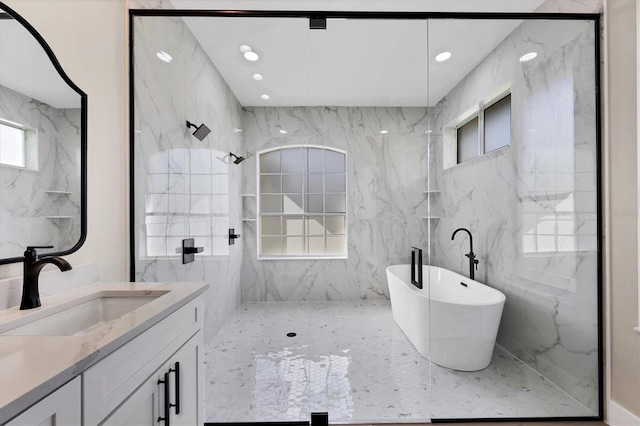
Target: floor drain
(291,334)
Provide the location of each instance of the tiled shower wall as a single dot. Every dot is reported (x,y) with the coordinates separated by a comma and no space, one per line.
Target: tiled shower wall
(532,206)
(25,204)
(385,199)
(185,187)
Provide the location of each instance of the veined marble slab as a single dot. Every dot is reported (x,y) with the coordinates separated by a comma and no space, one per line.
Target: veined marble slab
(386,177)
(532,206)
(186,187)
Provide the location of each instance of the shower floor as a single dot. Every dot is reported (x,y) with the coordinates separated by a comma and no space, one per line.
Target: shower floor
(351,359)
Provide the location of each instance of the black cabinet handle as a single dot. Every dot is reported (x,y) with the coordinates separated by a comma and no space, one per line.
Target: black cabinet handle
(176,385)
(167,404)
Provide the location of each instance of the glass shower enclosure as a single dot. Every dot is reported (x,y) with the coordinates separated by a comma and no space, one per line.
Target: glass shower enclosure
(340,144)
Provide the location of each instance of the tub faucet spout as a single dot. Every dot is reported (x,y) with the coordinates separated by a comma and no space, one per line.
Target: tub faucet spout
(473,262)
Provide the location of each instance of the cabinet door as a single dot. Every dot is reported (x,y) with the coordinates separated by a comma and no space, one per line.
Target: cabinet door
(141,408)
(112,380)
(147,404)
(61,407)
(191,396)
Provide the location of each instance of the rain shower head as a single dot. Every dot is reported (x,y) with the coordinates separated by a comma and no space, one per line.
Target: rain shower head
(237,160)
(200,132)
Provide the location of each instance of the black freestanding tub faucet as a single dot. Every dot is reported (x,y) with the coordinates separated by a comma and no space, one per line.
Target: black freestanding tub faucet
(473,262)
(32,266)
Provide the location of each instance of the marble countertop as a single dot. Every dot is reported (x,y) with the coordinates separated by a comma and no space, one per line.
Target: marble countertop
(33,366)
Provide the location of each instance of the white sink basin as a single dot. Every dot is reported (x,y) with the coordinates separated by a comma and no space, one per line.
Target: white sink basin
(79,316)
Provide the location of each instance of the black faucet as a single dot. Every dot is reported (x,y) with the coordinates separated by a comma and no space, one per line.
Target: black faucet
(471,255)
(32,267)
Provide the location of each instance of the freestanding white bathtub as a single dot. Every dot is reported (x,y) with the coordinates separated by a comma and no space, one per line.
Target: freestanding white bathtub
(452,320)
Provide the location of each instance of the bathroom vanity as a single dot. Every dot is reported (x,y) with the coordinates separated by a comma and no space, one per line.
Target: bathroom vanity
(108,353)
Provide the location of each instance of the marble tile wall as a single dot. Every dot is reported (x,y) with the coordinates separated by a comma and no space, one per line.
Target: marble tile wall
(185,187)
(386,177)
(24,204)
(532,206)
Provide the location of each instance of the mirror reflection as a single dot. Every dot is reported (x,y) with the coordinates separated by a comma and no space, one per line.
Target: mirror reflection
(40,148)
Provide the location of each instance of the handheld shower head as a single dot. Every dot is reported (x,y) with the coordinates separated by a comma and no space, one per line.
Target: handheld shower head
(237,160)
(200,132)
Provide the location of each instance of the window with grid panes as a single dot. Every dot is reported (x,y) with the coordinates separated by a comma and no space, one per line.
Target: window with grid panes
(302,202)
(13,151)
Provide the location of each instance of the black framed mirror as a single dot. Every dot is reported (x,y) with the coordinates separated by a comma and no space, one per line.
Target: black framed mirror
(43,146)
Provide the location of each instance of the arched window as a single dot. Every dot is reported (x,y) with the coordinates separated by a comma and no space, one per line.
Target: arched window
(302,202)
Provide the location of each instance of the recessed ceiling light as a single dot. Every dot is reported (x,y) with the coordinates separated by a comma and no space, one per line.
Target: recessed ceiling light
(237,130)
(265,97)
(164,56)
(258,77)
(251,56)
(528,56)
(384,132)
(443,56)
(245,48)
(284,132)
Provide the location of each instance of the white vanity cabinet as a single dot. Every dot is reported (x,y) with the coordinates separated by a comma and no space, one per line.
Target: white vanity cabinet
(112,372)
(124,388)
(148,404)
(61,407)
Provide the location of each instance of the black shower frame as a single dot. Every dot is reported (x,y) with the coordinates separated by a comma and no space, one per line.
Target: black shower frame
(594,17)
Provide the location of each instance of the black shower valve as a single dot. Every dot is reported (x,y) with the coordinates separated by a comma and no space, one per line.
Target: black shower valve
(233,236)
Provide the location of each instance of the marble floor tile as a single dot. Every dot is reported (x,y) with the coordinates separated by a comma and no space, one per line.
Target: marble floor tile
(350,359)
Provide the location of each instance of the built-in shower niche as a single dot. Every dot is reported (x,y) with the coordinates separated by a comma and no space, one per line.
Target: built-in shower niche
(249,207)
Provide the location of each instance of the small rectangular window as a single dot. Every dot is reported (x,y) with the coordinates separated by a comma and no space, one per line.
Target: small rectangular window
(483,128)
(497,125)
(468,141)
(13,146)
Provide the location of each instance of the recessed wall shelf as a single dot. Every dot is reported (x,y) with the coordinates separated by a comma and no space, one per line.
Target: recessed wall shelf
(431,217)
(432,191)
(248,219)
(248,195)
(59,217)
(53,191)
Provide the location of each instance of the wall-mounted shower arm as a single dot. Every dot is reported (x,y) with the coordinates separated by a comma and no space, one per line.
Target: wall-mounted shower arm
(238,159)
(201,131)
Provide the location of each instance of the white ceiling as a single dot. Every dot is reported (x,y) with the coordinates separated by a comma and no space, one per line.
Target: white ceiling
(352,62)
(26,68)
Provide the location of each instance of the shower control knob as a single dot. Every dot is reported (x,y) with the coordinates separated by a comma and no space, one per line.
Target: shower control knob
(233,236)
(188,250)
